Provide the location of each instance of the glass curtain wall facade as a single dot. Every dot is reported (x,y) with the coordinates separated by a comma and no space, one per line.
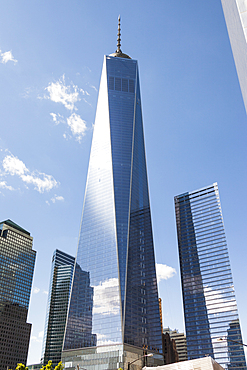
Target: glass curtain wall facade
(57,306)
(115,249)
(17,259)
(210,308)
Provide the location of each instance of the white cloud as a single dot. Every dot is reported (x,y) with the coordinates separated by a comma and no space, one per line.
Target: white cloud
(38,338)
(84,92)
(7,57)
(87,102)
(164,272)
(45,292)
(57,118)
(60,93)
(14,166)
(36,290)
(77,126)
(42,182)
(57,197)
(4,185)
(93,87)
(106,298)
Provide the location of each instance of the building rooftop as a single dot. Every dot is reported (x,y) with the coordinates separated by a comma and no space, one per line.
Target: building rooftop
(14,225)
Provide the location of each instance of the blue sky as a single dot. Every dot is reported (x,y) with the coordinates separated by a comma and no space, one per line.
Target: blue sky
(194,120)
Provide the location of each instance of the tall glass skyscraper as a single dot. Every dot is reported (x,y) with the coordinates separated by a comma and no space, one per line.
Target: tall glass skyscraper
(57,306)
(118,319)
(210,307)
(17,260)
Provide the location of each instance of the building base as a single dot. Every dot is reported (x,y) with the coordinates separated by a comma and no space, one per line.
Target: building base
(110,358)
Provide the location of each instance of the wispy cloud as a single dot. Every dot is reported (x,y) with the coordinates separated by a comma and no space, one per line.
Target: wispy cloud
(57,118)
(57,198)
(84,92)
(164,272)
(93,87)
(77,125)
(36,290)
(68,95)
(4,185)
(60,93)
(15,167)
(7,57)
(45,292)
(38,338)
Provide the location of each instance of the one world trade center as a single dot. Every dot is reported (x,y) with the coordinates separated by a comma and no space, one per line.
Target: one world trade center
(113,316)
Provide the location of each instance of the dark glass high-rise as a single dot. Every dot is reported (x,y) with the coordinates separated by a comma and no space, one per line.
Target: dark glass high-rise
(210,308)
(17,260)
(57,306)
(115,247)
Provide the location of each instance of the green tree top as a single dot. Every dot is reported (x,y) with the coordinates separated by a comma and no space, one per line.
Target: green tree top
(48,366)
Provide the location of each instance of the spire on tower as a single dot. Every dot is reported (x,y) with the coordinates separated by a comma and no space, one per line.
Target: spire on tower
(118,53)
(119,36)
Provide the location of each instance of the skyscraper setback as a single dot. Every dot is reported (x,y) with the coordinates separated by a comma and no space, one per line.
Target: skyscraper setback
(117,318)
(210,309)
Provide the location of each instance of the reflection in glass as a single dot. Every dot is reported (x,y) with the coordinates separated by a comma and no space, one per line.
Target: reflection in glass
(57,306)
(115,248)
(17,259)
(210,308)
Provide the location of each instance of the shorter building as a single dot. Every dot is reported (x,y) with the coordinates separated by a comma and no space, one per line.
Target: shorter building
(181,343)
(17,259)
(204,363)
(169,349)
(57,306)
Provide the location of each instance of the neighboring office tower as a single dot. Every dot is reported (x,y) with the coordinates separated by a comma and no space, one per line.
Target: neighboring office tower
(57,306)
(115,245)
(210,308)
(181,343)
(17,260)
(235,12)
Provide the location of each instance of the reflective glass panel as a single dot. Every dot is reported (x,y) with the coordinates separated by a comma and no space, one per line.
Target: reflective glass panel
(208,293)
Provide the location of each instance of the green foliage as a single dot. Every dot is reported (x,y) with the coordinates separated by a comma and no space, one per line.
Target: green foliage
(20,367)
(59,366)
(48,366)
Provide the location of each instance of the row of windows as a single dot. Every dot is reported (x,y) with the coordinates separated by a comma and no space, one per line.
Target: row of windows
(121,84)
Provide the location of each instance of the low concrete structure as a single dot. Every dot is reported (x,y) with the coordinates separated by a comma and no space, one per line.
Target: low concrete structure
(204,363)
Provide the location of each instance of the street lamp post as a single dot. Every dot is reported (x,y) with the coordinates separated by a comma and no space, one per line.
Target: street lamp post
(80,368)
(130,363)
